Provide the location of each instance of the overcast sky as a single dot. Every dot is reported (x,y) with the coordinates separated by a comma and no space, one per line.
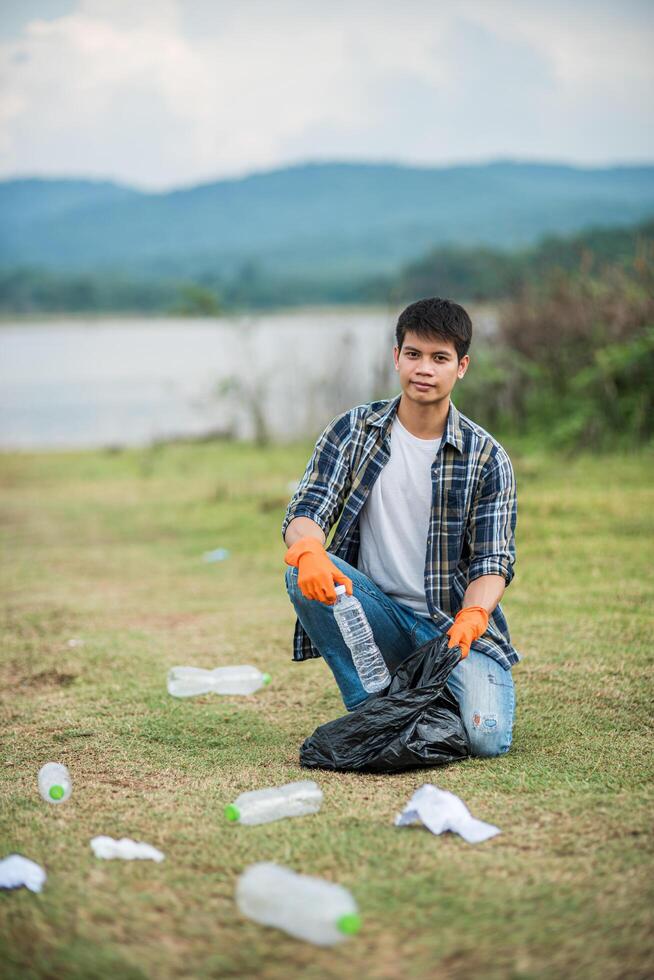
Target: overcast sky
(162,93)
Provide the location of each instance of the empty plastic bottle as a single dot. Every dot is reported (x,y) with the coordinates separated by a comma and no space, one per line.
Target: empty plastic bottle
(305,907)
(186,682)
(265,805)
(55,784)
(355,630)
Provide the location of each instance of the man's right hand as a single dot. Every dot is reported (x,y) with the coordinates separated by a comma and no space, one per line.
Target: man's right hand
(316,573)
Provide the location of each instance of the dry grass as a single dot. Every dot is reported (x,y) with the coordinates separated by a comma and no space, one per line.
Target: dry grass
(106,549)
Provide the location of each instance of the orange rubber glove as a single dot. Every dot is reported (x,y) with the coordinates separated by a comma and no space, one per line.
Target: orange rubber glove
(469,624)
(316,573)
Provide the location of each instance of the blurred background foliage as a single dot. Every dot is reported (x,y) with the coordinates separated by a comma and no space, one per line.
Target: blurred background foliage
(570,363)
(472,273)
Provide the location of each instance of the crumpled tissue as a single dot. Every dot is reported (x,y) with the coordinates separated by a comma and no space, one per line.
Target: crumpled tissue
(17,870)
(125,848)
(440,810)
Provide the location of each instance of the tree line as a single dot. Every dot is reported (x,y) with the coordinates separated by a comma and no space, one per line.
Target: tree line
(469,274)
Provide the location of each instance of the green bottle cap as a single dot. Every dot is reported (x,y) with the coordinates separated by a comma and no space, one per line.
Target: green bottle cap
(350,924)
(266,678)
(56,792)
(232,813)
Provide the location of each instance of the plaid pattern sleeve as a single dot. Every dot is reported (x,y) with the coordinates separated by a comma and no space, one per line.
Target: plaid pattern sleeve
(322,490)
(492,521)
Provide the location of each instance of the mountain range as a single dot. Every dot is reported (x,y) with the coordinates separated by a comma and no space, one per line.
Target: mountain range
(331,219)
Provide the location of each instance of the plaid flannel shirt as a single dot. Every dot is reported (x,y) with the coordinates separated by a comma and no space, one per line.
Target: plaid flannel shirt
(472,523)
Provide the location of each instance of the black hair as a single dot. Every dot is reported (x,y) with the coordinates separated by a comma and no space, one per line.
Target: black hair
(436,317)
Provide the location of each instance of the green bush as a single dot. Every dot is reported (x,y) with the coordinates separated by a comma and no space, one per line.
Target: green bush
(573,361)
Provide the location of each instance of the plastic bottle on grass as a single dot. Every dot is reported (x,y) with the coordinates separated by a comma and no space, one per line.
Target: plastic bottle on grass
(55,784)
(186,682)
(265,805)
(308,908)
(355,630)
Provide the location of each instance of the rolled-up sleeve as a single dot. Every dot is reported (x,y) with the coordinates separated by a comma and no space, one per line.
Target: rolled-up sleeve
(491,527)
(322,490)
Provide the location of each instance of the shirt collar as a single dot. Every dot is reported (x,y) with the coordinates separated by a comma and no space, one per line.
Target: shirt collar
(383,418)
(453,433)
(453,429)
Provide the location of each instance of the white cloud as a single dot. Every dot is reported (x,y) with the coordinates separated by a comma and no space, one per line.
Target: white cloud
(184,90)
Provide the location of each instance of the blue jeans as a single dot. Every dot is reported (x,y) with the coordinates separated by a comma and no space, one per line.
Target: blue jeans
(483,689)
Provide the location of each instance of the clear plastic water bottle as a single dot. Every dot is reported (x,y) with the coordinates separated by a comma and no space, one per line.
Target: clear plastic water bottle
(265,805)
(355,630)
(186,682)
(55,784)
(308,908)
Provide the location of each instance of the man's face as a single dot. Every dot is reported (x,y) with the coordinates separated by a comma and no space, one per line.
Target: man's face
(428,369)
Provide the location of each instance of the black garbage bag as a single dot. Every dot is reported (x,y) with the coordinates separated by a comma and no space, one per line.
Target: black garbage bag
(415,723)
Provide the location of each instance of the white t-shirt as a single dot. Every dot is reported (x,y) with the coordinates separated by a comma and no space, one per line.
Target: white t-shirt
(394,521)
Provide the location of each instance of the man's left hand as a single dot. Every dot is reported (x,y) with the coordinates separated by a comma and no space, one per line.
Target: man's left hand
(469,624)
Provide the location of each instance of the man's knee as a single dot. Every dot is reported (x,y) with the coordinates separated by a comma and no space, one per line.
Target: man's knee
(487,735)
(342,564)
(292,587)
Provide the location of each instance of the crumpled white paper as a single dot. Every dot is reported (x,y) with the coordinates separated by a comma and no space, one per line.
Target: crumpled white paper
(125,848)
(440,810)
(17,870)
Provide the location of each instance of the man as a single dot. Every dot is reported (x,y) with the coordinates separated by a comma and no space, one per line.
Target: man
(425,501)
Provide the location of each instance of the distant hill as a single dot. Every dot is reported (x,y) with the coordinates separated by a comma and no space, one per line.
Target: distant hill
(25,202)
(320,220)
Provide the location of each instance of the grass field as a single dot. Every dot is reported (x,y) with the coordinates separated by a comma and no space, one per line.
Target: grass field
(106,548)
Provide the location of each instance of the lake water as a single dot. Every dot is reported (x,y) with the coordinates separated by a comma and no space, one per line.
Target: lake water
(123,382)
